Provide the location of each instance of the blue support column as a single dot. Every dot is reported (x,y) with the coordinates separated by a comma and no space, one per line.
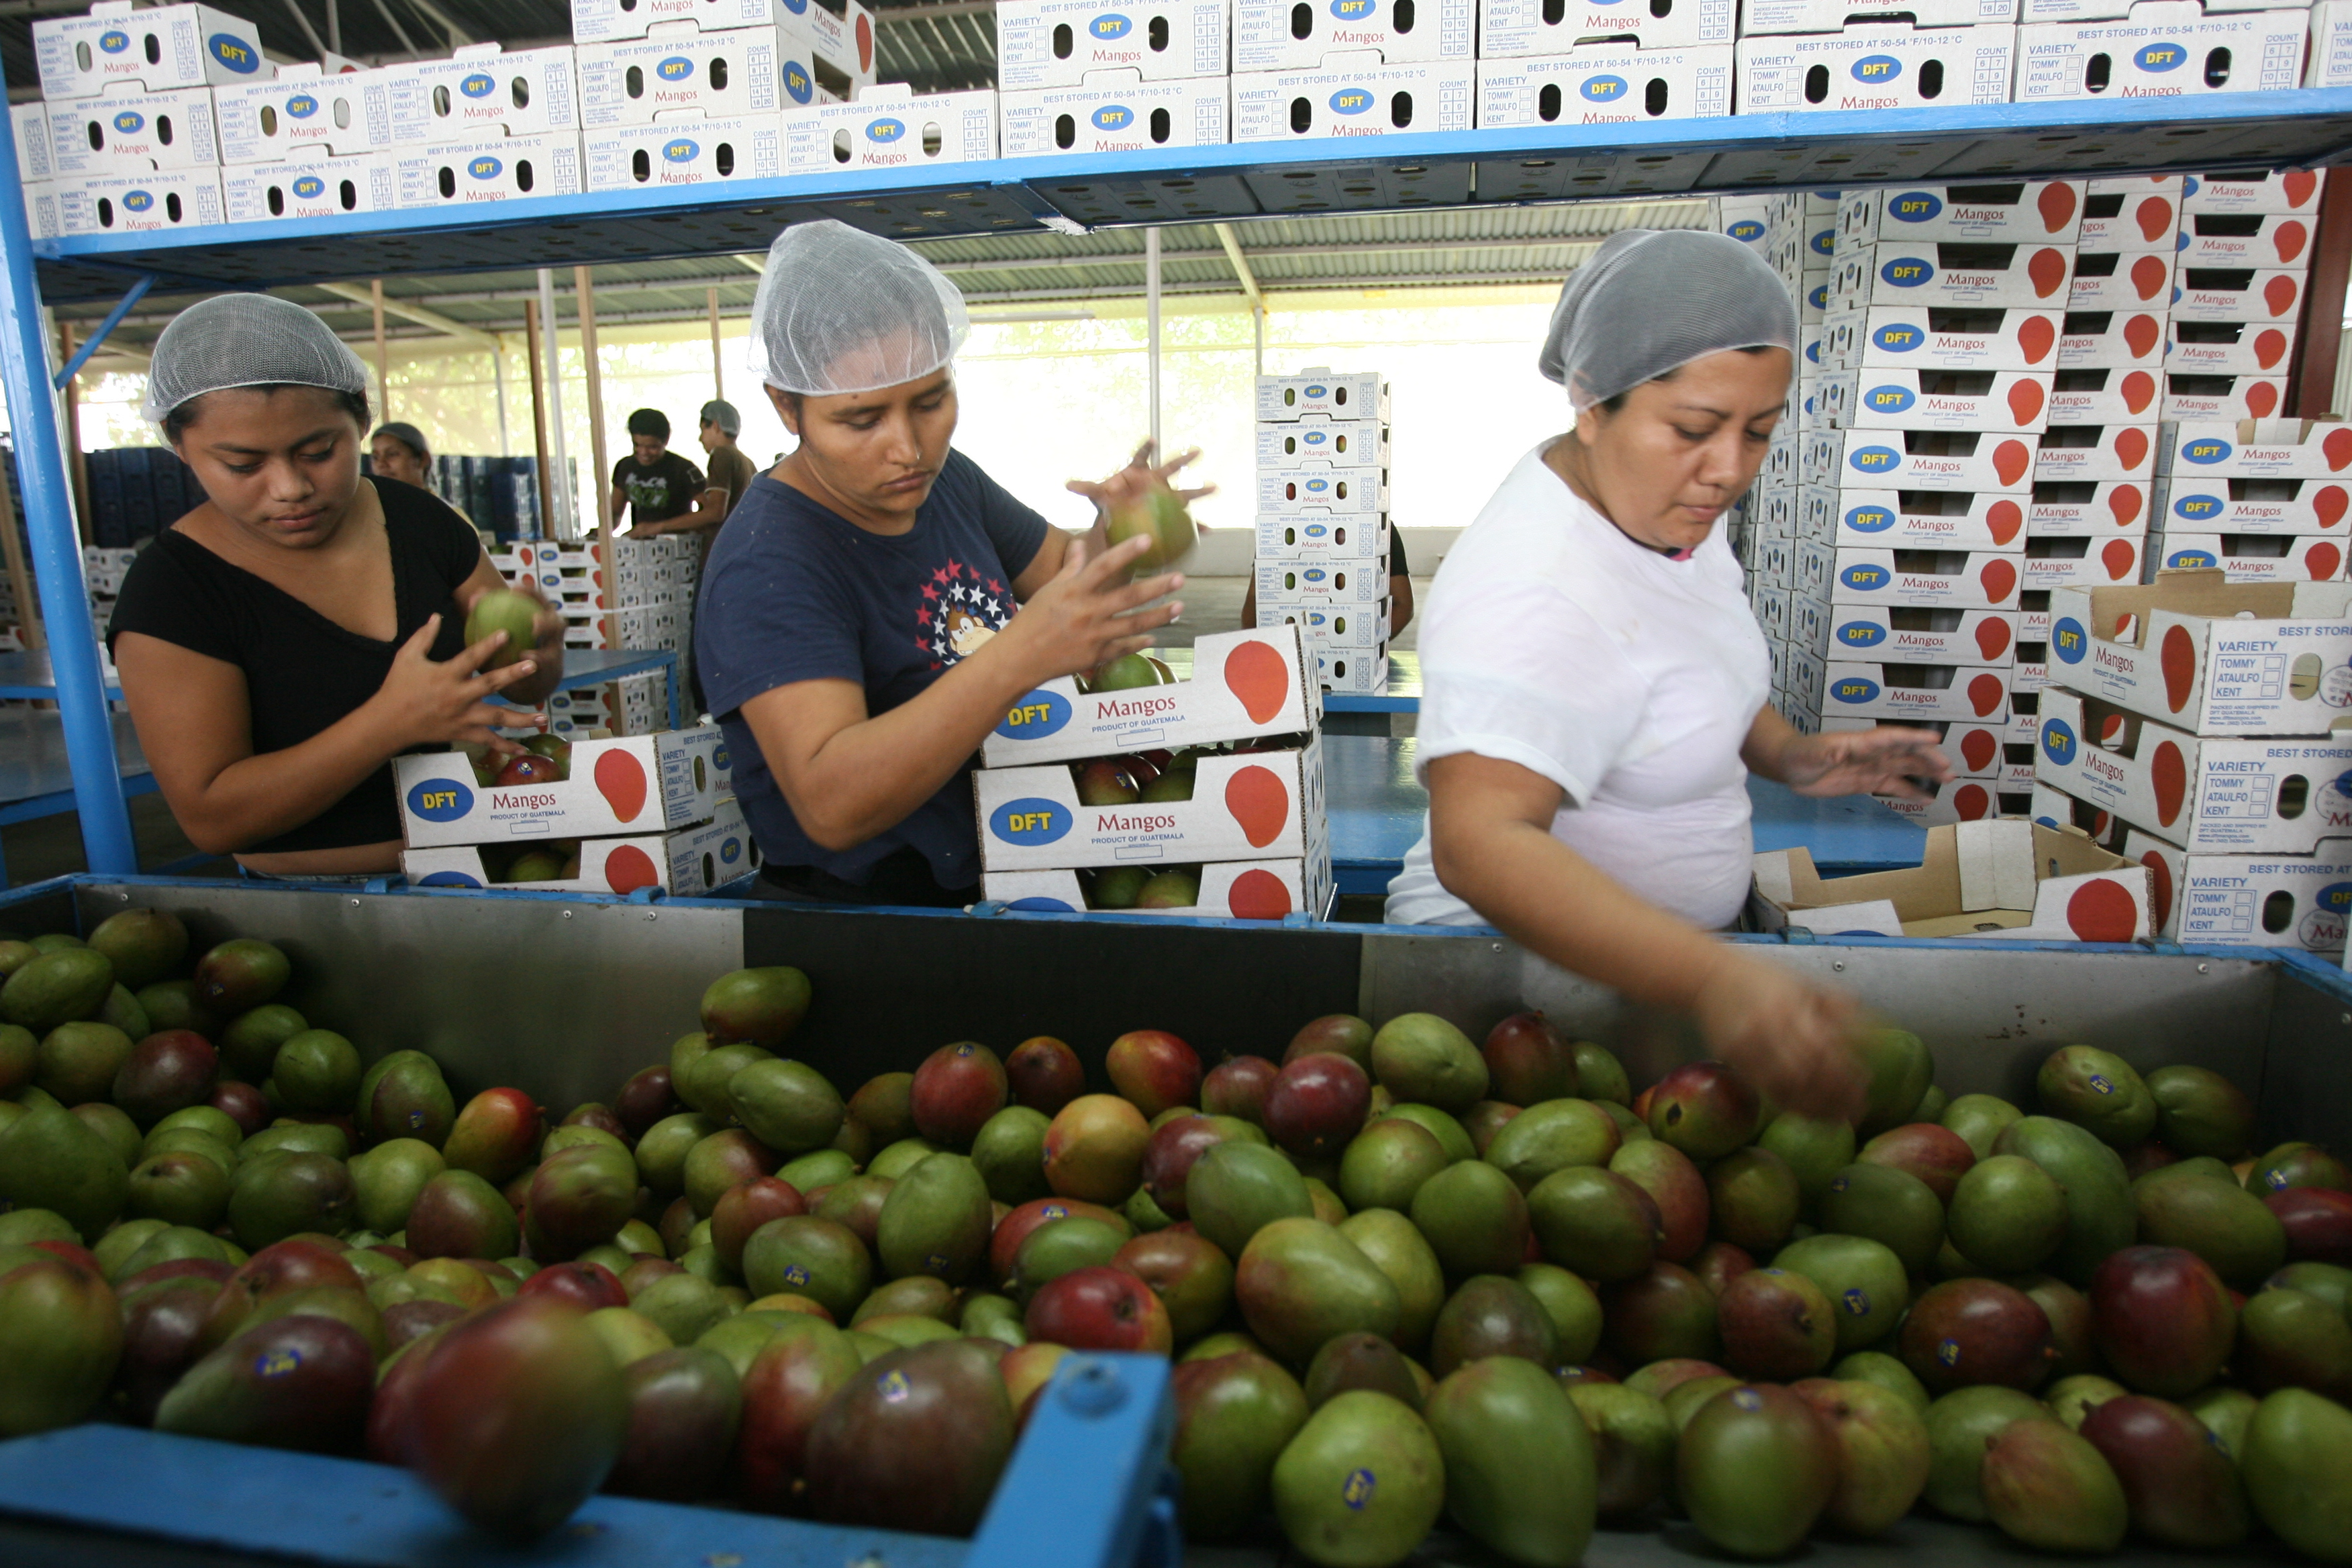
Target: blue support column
(56,548)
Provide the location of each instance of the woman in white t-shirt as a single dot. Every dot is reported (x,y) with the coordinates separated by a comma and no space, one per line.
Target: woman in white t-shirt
(1595,683)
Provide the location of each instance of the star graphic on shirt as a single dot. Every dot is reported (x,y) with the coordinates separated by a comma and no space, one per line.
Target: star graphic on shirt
(942,574)
(929,592)
(995,587)
(994,608)
(922,617)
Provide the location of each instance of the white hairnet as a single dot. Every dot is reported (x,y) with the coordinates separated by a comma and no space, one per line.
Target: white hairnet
(842,311)
(1652,300)
(246,339)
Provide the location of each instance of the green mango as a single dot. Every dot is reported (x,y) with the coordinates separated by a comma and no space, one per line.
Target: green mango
(317,1072)
(242,974)
(2048,1488)
(56,988)
(786,1105)
(936,1220)
(2221,1221)
(1386,1162)
(78,1060)
(1889,1206)
(1300,1281)
(805,1256)
(682,1306)
(248,1046)
(143,945)
(1959,1425)
(60,1337)
(174,1005)
(661,1152)
(1755,1466)
(894,1160)
(22,1227)
(387,1179)
(1520,1467)
(824,1168)
(49,1159)
(2100,1218)
(2199,1112)
(1815,1150)
(1632,1444)
(169,1246)
(1235,1189)
(1863,1280)
(1423,1059)
(403,1096)
(1474,1217)
(204,1118)
(123,1010)
(121,1133)
(2100,1091)
(1361,1484)
(761,1006)
(1062,1246)
(120,1244)
(1397,1249)
(1009,1151)
(297,1138)
(288,1193)
(2008,1214)
(181,1188)
(1900,1072)
(1979,1119)
(1550,1137)
(1601,1075)
(1236,1414)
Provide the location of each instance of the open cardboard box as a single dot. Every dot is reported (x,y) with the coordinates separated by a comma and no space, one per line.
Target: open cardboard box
(1232,890)
(686,864)
(2275,901)
(639,783)
(1243,684)
(2001,878)
(1246,806)
(2212,656)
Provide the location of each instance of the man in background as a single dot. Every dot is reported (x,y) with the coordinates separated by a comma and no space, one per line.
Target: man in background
(732,472)
(661,490)
(397,451)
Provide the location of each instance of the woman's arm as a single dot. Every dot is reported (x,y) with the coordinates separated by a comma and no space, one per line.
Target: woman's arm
(1888,760)
(547,653)
(196,725)
(849,776)
(1492,847)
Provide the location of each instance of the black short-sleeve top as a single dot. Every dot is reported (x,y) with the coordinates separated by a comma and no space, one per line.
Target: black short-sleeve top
(303,673)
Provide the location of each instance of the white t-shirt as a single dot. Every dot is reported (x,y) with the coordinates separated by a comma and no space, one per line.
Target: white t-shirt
(1628,678)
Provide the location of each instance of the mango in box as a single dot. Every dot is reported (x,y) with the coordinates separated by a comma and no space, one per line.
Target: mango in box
(1243,684)
(634,784)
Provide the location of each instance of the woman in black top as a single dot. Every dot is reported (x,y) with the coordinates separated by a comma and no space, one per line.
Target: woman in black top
(281,643)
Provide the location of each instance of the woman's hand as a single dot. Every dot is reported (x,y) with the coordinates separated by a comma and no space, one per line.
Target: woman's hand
(1088,614)
(1785,1035)
(1139,478)
(1885,760)
(423,701)
(547,626)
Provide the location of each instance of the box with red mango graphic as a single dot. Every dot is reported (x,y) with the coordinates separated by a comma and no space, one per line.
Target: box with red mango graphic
(2111,340)
(1965,273)
(1932,461)
(2056,561)
(640,783)
(1896,635)
(1243,684)
(2277,796)
(2194,396)
(2251,557)
(2106,394)
(1234,890)
(2187,500)
(1962,800)
(1977,878)
(2138,217)
(1927,520)
(2295,900)
(1246,806)
(2208,656)
(1934,691)
(2225,239)
(2229,348)
(2061,510)
(2270,192)
(1927,579)
(2239,294)
(2257,448)
(686,864)
(1922,337)
(1885,399)
(2099,453)
(2111,280)
(1997,211)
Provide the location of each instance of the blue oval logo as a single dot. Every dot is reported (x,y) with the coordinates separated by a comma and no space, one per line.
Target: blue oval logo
(1040,713)
(1889,399)
(477,84)
(731,851)
(1875,459)
(1316,389)
(2336,897)
(1819,298)
(1747,229)
(485,168)
(2159,57)
(1856,688)
(1313,574)
(130,123)
(719,757)
(1316,488)
(886,130)
(1876,71)
(1316,530)
(2201,509)
(1354,10)
(301,106)
(2191,558)
(675,68)
(1914,206)
(440,800)
(2069,641)
(1604,89)
(1909,271)
(1114,117)
(1825,242)
(1112,26)
(1029,821)
(1864,578)
(683,150)
(235,53)
(2206,451)
(1317,618)
(1870,519)
(798,84)
(1350,100)
(114,43)
(138,201)
(1315,438)
(309,187)
(1897,338)
(2058,742)
(1861,634)
(446,880)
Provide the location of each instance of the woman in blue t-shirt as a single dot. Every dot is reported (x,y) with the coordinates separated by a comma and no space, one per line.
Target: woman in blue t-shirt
(858,634)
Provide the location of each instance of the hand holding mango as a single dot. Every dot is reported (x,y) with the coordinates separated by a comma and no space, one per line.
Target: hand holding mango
(508,611)
(1159,515)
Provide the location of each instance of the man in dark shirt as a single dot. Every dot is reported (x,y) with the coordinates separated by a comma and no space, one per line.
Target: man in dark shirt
(654,484)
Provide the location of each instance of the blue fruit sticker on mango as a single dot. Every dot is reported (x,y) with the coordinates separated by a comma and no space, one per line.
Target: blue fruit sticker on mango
(1356,1490)
(2102,1084)
(276,1362)
(1748,1399)
(1857,1301)
(893,1388)
(1949,1352)
(796,1275)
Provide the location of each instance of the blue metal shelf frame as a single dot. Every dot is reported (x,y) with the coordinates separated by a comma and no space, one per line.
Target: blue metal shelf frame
(1066,195)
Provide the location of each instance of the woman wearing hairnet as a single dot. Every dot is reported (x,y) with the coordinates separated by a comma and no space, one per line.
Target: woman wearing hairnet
(1595,683)
(857,634)
(283,642)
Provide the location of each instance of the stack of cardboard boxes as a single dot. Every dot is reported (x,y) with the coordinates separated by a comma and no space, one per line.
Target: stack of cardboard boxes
(2199,726)
(2262,499)
(1322,545)
(647,811)
(1247,839)
(651,608)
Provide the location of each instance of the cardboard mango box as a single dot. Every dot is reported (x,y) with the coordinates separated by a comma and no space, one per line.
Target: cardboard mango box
(1232,890)
(2208,656)
(634,784)
(1887,398)
(2194,395)
(2051,563)
(2053,807)
(1243,684)
(2045,210)
(2204,793)
(1921,337)
(1896,635)
(2111,280)
(1945,579)
(1995,879)
(1886,691)
(1975,749)
(1927,460)
(2098,453)
(2256,449)
(2251,557)
(1930,519)
(1252,805)
(1962,800)
(2086,508)
(2187,500)
(686,864)
(2295,900)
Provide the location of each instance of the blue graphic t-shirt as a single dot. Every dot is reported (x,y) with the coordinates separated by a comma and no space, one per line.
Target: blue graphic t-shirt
(795,592)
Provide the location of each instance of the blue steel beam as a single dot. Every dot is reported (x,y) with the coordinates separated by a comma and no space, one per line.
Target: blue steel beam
(105,328)
(56,548)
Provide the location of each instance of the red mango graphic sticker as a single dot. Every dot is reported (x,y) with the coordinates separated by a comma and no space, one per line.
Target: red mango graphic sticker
(1992,639)
(2034,335)
(628,868)
(2323,560)
(2048,269)
(1259,896)
(2131,446)
(2337,446)
(2178,657)
(1257,674)
(2141,334)
(2100,911)
(2139,391)
(865,43)
(1256,800)
(2159,890)
(2290,241)
(2121,558)
(1985,694)
(2011,460)
(2280,294)
(2004,517)
(2327,505)
(2025,400)
(2169,772)
(1977,748)
(1972,802)
(2299,185)
(2155,216)
(2057,203)
(2262,399)
(2148,275)
(2270,347)
(2124,501)
(621,780)
(1999,576)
